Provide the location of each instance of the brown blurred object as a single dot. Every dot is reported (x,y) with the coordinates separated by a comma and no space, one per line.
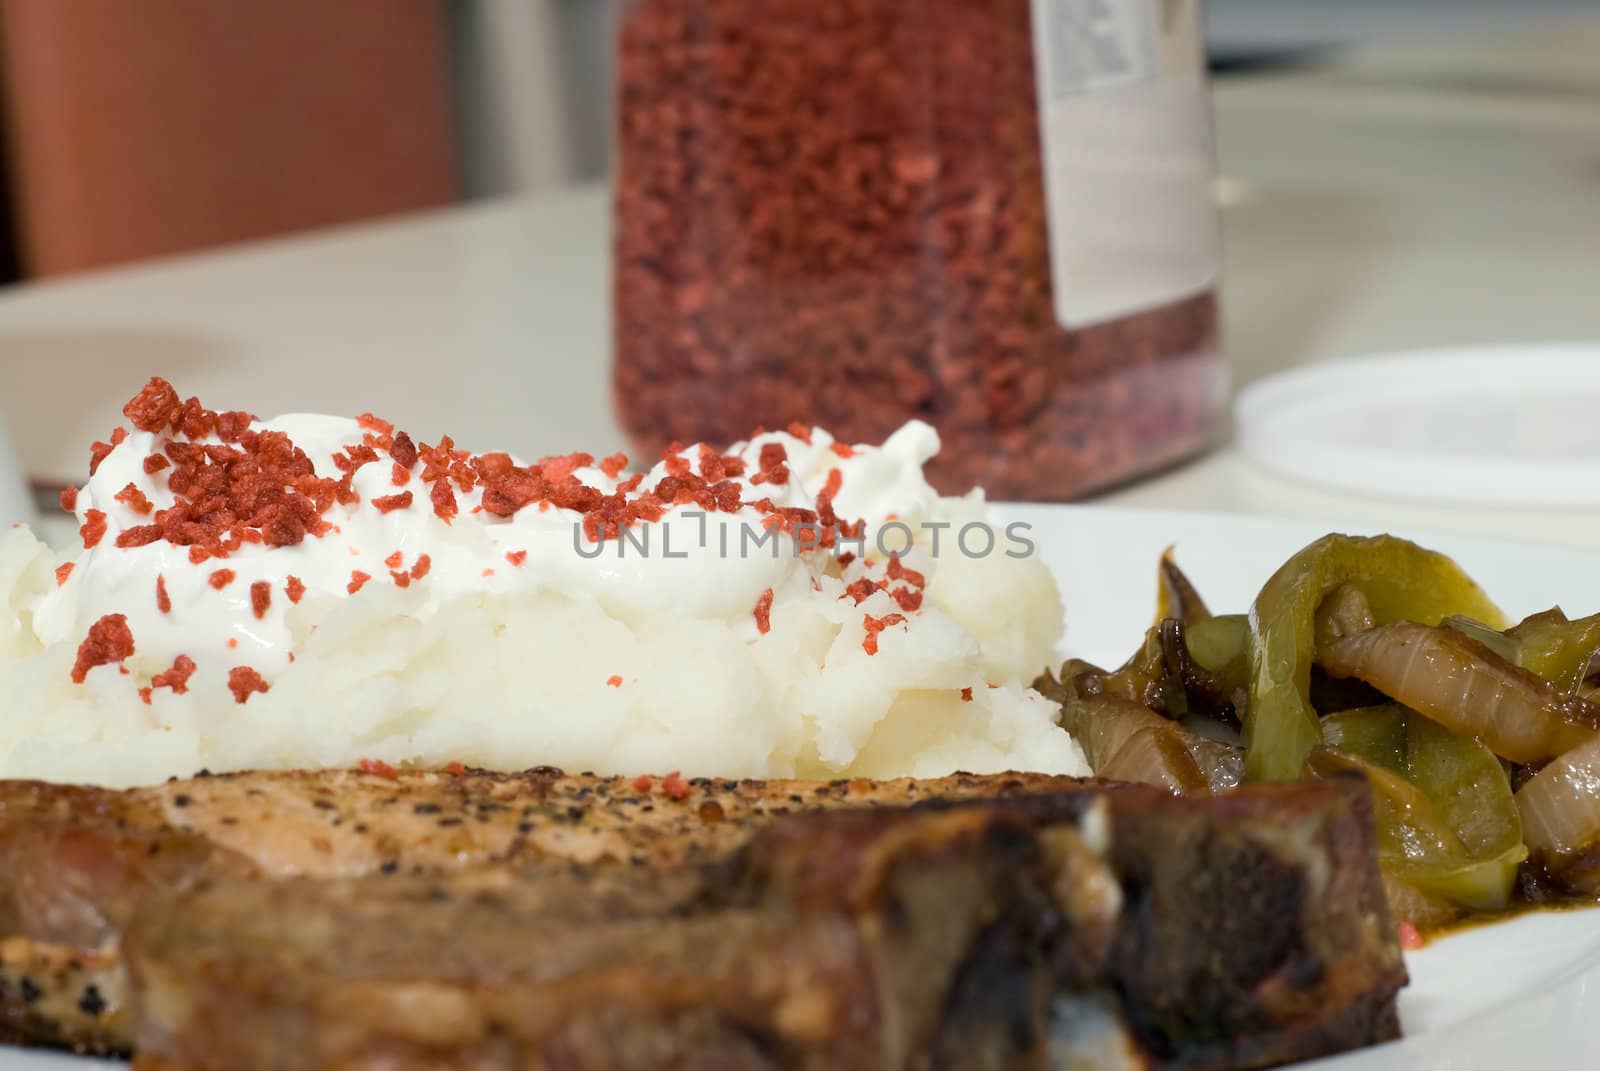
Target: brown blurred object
(139,129)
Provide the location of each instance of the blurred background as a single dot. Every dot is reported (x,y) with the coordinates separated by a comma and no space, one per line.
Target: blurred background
(136,130)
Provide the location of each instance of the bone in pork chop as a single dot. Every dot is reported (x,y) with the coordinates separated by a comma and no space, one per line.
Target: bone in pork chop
(1118,928)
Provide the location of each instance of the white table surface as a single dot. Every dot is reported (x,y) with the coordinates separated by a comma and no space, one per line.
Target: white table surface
(1434,195)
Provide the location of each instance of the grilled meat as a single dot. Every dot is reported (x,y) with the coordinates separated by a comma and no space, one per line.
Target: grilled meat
(74,861)
(1116,925)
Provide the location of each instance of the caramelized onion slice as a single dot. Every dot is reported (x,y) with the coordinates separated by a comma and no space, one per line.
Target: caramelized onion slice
(1561,804)
(1124,741)
(1456,681)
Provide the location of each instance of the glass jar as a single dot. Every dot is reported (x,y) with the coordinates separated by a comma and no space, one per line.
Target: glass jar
(993,215)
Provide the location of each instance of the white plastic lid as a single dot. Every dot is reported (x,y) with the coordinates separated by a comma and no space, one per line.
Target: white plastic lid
(1489,425)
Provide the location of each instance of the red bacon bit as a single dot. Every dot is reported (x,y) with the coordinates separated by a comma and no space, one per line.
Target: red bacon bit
(908,600)
(613,465)
(357,580)
(63,571)
(674,787)
(393,561)
(875,625)
(400,476)
(614,681)
(295,588)
(375,424)
(118,436)
(98,452)
(801,432)
(846,558)
(135,500)
(830,488)
(1410,937)
(444,501)
(516,557)
(139,535)
(233,643)
(392,502)
(842,449)
(221,578)
(966,695)
(403,452)
(69,498)
(260,598)
(93,528)
(176,678)
(862,589)
(763,612)
(643,784)
(244,681)
(109,640)
(155,408)
(773,468)
(896,571)
(379,768)
(488,572)
(420,567)
(154,464)
(144,695)
(163,600)
(197,554)
(401,580)
(455,769)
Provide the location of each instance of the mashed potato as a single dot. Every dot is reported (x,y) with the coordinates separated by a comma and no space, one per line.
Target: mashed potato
(514,646)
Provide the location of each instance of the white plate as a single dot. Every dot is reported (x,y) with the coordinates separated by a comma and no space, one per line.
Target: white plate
(1518,994)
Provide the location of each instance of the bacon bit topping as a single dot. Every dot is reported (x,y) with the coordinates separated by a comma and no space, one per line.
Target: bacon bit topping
(801,432)
(176,678)
(233,643)
(862,589)
(379,768)
(221,578)
(109,640)
(842,449)
(69,498)
(392,502)
(401,580)
(155,463)
(966,695)
(260,598)
(444,501)
(145,693)
(846,558)
(455,769)
(908,600)
(403,452)
(614,681)
(98,452)
(375,424)
(118,436)
(295,588)
(1410,937)
(613,465)
(93,528)
(357,580)
(243,681)
(139,535)
(63,571)
(400,476)
(830,488)
(773,468)
(643,784)
(875,625)
(155,408)
(674,787)
(420,567)
(163,600)
(897,571)
(516,557)
(488,572)
(135,500)
(393,561)
(763,612)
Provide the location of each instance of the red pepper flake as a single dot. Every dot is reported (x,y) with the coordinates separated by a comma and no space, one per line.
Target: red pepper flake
(643,784)
(419,569)
(109,640)
(875,625)
(842,449)
(221,578)
(233,643)
(379,768)
(135,500)
(357,580)
(154,464)
(176,678)
(69,498)
(966,695)
(801,432)
(860,590)
(163,600)
(614,681)
(93,528)
(243,681)
(516,557)
(488,572)
(1410,937)
(455,769)
(295,588)
(393,561)
(763,612)
(63,571)
(260,598)
(674,786)
(392,502)
(613,465)
(896,571)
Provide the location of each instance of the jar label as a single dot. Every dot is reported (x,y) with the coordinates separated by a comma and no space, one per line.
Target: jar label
(1125,127)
